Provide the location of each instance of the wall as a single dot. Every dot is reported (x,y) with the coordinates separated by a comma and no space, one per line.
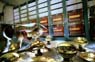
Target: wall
(1,7)
(94,2)
(8,15)
(1,11)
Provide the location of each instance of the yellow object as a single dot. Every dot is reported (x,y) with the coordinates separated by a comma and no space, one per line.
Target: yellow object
(74,16)
(43,59)
(13,46)
(65,44)
(80,40)
(87,56)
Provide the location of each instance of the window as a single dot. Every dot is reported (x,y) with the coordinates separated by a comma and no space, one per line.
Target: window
(17,20)
(58,25)
(39,12)
(16,10)
(31,4)
(16,17)
(55,1)
(32,13)
(32,8)
(43,14)
(57,11)
(16,13)
(75,22)
(23,15)
(42,5)
(44,22)
(56,6)
(43,10)
(23,11)
(23,19)
(41,1)
(32,17)
(33,20)
(23,7)
(69,2)
(74,7)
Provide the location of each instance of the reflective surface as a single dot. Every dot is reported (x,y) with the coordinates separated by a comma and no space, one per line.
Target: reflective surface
(87,56)
(66,49)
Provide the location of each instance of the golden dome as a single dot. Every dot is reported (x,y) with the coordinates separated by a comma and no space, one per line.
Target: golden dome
(80,40)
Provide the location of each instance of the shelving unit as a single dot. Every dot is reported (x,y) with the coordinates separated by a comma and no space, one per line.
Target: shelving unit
(92,22)
(33,21)
(58,25)
(44,22)
(76,27)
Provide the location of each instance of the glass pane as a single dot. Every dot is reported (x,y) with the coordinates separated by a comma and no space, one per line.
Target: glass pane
(55,1)
(44,22)
(57,19)
(69,2)
(40,1)
(58,30)
(16,17)
(56,6)
(58,25)
(16,21)
(74,7)
(23,11)
(23,15)
(76,26)
(32,13)
(23,19)
(43,14)
(43,10)
(42,5)
(32,17)
(23,7)
(31,4)
(17,13)
(57,11)
(33,20)
(16,10)
(32,8)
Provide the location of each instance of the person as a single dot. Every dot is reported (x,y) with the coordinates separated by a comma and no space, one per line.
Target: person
(24,41)
(20,41)
(7,33)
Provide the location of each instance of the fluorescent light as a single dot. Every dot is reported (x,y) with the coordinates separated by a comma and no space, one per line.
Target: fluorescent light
(29,25)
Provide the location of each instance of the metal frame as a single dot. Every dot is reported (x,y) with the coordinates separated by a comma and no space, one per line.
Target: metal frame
(50,22)
(38,19)
(85,17)
(19,15)
(66,28)
(27,12)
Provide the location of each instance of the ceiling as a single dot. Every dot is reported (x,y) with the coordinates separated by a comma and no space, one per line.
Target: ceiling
(14,2)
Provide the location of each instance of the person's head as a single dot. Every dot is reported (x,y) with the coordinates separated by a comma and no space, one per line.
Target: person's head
(8,32)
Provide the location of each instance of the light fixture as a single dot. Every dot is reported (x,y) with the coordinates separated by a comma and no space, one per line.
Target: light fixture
(29,25)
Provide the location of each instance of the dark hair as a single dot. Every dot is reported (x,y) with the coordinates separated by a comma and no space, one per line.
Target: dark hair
(9,31)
